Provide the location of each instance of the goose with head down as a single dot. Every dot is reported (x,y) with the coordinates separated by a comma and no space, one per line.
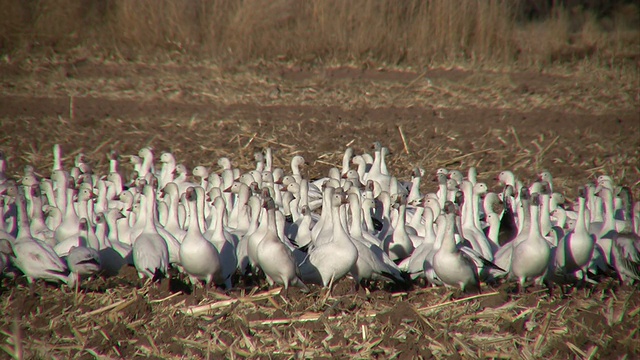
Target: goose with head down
(34,258)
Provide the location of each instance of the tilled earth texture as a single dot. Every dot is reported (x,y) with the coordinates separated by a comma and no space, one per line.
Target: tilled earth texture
(575,124)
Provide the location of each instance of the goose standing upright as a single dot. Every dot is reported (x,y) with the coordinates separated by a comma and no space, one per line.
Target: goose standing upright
(530,259)
(225,245)
(452,266)
(328,262)
(150,251)
(575,249)
(273,257)
(198,256)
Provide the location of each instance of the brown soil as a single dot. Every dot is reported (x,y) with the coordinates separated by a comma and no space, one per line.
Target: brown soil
(270,109)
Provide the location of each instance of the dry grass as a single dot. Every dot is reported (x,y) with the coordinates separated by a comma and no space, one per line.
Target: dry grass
(109,321)
(482,33)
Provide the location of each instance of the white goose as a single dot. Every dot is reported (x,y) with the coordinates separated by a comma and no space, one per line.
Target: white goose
(223,242)
(83,260)
(530,259)
(34,258)
(199,257)
(452,266)
(274,258)
(372,263)
(150,252)
(329,261)
(575,249)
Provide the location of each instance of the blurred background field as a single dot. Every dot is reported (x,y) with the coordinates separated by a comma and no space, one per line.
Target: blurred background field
(522,33)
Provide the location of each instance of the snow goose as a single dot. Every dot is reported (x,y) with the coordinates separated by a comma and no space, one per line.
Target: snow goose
(375,263)
(353,176)
(296,162)
(202,174)
(346,160)
(302,236)
(362,166)
(150,251)
(258,156)
(530,259)
(493,228)
(328,261)
(414,196)
(457,176)
(83,260)
(34,258)
(504,255)
(508,222)
(180,178)
(273,257)
(552,233)
(70,220)
(414,264)
(239,216)
(594,204)
(113,254)
(223,242)
(470,232)
(452,266)
(38,227)
(545,176)
(172,198)
(147,166)
(575,249)
(626,245)
(255,206)
(198,256)
(168,162)
(398,245)
(376,172)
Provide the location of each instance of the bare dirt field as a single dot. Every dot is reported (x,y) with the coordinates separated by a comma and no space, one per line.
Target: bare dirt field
(574,123)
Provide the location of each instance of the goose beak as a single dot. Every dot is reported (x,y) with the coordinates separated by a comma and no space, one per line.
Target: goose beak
(344,176)
(227,190)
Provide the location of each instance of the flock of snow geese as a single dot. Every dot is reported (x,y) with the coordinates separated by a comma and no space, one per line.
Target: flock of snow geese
(361,221)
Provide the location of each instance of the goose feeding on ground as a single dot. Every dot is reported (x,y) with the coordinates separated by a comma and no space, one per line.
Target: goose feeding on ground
(34,258)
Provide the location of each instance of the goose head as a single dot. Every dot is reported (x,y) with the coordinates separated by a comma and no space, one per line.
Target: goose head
(456,175)
(167,158)
(506,177)
(480,189)
(545,176)
(297,161)
(224,163)
(200,172)
(278,174)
